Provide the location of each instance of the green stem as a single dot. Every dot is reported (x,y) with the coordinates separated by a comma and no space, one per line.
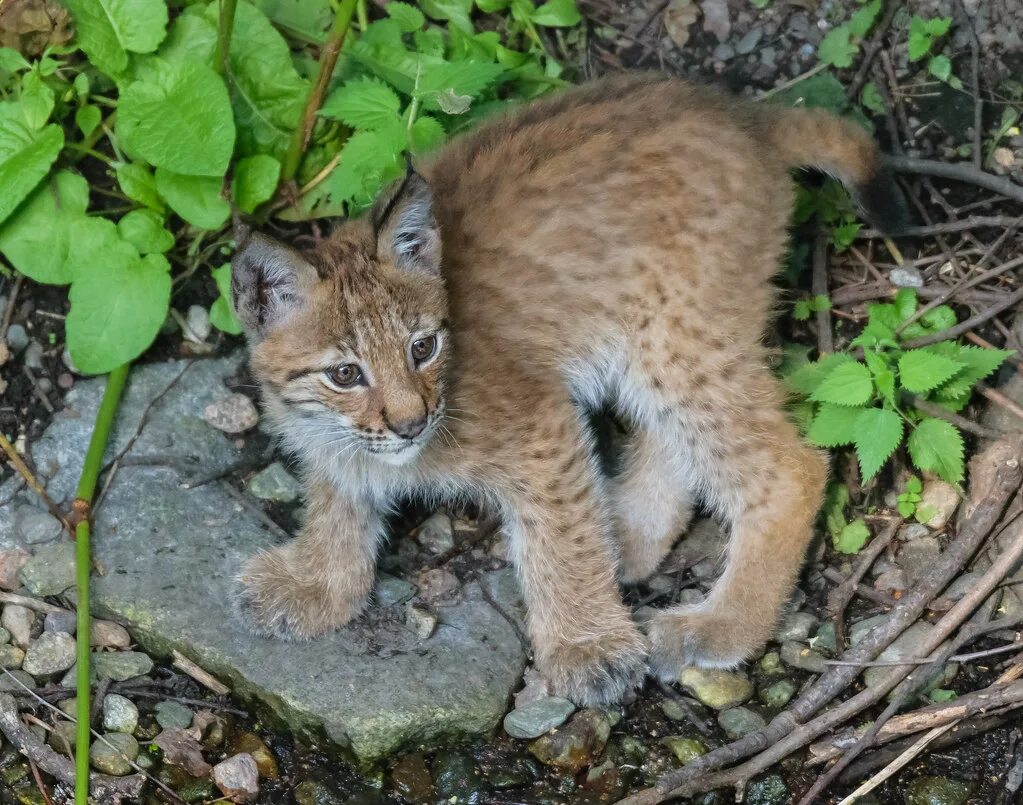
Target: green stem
(328,60)
(224,30)
(83,564)
(363,16)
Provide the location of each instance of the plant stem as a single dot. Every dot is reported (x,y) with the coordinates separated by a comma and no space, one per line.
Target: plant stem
(224,30)
(83,564)
(363,16)
(328,59)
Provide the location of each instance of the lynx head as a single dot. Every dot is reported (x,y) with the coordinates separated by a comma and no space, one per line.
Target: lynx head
(349,340)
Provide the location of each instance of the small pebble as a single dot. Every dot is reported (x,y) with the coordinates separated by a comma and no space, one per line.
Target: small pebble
(412,779)
(60,621)
(740,721)
(114,759)
(11,561)
(119,714)
(778,694)
(5,636)
(717,689)
(237,778)
(173,714)
(11,680)
(63,737)
(51,570)
(936,791)
(799,656)
(686,750)
(17,338)
(34,526)
(436,534)
(275,484)
(11,657)
(251,743)
(197,323)
(421,620)
(538,717)
(107,634)
(232,415)
(17,620)
(796,626)
(65,380)
(51,654)
(33,358)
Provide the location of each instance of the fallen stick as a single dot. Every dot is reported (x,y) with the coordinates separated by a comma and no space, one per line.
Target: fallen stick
(959,172)
(204,678)
(840,596)
(967,325)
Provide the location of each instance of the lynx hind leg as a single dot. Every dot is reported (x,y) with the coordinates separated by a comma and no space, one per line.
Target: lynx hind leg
(650,502)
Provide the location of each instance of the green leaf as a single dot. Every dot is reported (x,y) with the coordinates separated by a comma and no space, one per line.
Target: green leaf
(12,61)
(978,364)
(492,6)
(455,11)
(309,18)
(938,26)
(455,78)
(181,123)
(363,104)
(87,118)
(878,434)
(368,160)
(426,134)
(222,315)
(118,299)
(863,20)
(809,376)
(801,310)
(25,156)
(837,48)
(557,14)
(255,181)
(847,384)
(144,230)
(197,199)
(852,537)
(138,184)
(109,29)
(914,485)
(940,67)
(833,425)
(921,370)
(936,446)
(905,303)
(871,98)
(836,498)
(940,318)
(823,91)
(905,508)
(36,239)
(409,18)
(942,695)
(922,34)
(843,235)
(36,100)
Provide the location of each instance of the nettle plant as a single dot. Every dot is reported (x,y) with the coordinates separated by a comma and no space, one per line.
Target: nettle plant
(871,403)
(123,153)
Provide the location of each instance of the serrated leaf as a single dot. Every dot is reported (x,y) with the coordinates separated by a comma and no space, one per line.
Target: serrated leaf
(309,18)
(978,364)
(255,181)
(878,434)
(25,156)
(940,318)
(465,78)
(118,299)
(368,160)
(852,537)
(455,11)
(409,18)
(905,303)
(108,30)
(823,91)
(920,370)
(181,122)
(833,425)
(801,310)
(426,134)
(138,184)
(197,199)
(806,378)
(936,446)
(847,384)
(557,14)
(222,315)
(144,230)
(363,104)
(837,48)
(863,20)
(36,100)
(940,67)
(871,98)
(36,238)
(914,485)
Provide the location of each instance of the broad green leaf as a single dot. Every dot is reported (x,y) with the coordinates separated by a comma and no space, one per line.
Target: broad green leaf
(878,434)
(118,299)
(426,134)
(942,695)
(492,6)
(871,98)
(109,29)
(801,310)
(368,161)
(940,318)
(922,34)
(557,13)
(905,303)
(36,238)
(25,156)
(936,446)
(12,61)
(863,20)
(920,370)
(197,199)
(978,364)
(852,537)
(822,91)
(833,425)
(310,19)
(181,123)
(914,485)
(363,104)
(144,230)
(837,48)
(222,315)
(36,100)
(255,181)
(847,384)
(408,17)
(455,78)
(455,11)
(940,67)
(87,118)
(138,184)
(808,377)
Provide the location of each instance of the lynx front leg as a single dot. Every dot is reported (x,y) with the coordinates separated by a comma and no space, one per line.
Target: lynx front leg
(322,579)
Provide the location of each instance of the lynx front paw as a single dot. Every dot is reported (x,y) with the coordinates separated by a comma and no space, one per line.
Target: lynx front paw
(277,603)
(686,636)
(599,671)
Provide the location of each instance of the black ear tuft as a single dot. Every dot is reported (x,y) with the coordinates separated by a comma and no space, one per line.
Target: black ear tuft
(406,229)
(268,280)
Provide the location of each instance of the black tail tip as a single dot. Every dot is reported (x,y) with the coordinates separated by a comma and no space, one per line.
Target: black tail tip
(883,204)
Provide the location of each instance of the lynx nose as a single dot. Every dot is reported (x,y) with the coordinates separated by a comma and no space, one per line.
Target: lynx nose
(409,428)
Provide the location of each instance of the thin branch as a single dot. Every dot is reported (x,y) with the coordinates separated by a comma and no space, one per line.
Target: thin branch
(947,227)
(968,324)
(819,287)
(22,468)
(961,422)
(871,49)
(960,172)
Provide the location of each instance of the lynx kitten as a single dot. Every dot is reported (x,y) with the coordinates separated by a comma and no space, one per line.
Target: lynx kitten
(613,246)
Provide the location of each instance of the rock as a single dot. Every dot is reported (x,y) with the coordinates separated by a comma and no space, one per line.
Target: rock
(63,737)
(12,657)
(11,561)
(120,665)
(421,621)
(35,526)
(940,500)
(437,585)
(173,554)
(892,580)
(411,778)
(457,778)
(274,484)
(17,338)
(862,628)
(770,664)
(11,679)
(723,52)
(534,687)
(825,640)
(906,277)
(17,620)
(799,656)
(906,646)
(107,634)
(390,590)
(936,791)
(197,323)
(232,415)
(740,721)
(33,357)
(60,621)
(748,43)
(113,759)
(51,654)
(313,792)
(237,778)
(768,790)
(252,744)
(717,689)
(436,534)
(189,788)
(538,717)
(912,531)
(51,570)
(778,694)
(576,745)
(172,714)
(917,557)
(686,750)
(796,626)
(962,585)
(5,636)
(119,714)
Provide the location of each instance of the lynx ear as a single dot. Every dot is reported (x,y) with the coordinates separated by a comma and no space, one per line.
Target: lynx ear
(405,228)
(268,280)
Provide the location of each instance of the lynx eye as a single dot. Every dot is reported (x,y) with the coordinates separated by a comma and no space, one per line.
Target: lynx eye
(424,348)
(345,376)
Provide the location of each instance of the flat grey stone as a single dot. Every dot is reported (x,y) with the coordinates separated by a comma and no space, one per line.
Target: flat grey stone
(51,570)
(740,721)
(51,654)
(714,688)
(274,484)
(796,626)
(111,754)
(61,621)
(119,714)
(800,656)
(539,716)
(172,556)
(35,526)
(173,714)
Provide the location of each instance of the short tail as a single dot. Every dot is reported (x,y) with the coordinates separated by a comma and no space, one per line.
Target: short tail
(816,138)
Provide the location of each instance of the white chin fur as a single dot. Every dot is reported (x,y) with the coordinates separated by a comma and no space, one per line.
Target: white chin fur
(399,457)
